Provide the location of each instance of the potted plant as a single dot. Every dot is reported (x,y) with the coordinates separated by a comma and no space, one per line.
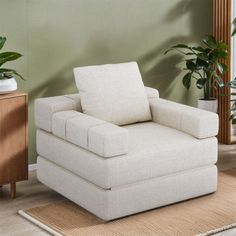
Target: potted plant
(7,81)
(204,65)
(232,84)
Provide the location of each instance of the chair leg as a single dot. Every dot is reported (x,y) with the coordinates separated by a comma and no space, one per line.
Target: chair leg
(13,189)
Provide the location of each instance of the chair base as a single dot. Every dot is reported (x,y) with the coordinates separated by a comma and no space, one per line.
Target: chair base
(121,201)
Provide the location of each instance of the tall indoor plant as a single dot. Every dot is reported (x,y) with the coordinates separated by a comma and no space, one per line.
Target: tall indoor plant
(203,64)
(233,99)
(232,84)
(7,80)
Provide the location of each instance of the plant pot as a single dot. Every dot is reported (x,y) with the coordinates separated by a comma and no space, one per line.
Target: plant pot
(8,85)
(208,105)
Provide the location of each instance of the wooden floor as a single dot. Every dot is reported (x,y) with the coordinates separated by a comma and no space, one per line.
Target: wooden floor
(31,193)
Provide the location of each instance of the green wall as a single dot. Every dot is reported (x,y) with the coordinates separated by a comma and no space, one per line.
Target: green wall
(57,35)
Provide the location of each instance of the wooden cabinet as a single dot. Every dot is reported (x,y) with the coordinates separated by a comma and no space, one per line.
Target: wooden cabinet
(13,139)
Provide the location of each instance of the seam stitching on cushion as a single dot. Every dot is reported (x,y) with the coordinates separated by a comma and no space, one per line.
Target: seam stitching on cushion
(88,131)
(114,153)
(103,144)
(66,96)
(184,172)
(72,101)
(67,120)
(53,109)
(182,126)
(181,120)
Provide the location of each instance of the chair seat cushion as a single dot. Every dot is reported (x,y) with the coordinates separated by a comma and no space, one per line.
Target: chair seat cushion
(154,150)
(113,92)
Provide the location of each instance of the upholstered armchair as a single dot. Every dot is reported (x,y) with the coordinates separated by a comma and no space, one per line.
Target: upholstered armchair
(116,148)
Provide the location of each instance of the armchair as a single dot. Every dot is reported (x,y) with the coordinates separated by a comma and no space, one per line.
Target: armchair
(116,148)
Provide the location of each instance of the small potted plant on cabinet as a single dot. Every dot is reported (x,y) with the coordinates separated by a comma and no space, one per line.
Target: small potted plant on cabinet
(7,81)
(203,64)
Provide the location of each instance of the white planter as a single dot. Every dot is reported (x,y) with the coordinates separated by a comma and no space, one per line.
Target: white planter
(208,105)
(234,129)
(8,85)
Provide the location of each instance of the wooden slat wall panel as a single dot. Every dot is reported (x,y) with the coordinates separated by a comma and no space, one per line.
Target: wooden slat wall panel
(222,31)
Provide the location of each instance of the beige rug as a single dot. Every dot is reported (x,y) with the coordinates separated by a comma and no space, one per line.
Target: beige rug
(188,218)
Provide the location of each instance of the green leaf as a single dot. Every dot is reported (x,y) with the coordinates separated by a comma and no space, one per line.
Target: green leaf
(5,70)
(213,56)
(2,42)
(217,54)
(222,54)
(222,45)
(178,46)
(199,49)
(190,65)
(232,83)
(181,46)
(218,80)
(210,41)
(8,56)
(203,57)
(171,49)
(187,80)
(19,75)
(200,64)
(220,67)
(233,107)
(234,31)
(9,73)
(233,116)
(234,27)
(207,51)
(201,83)
(225,67)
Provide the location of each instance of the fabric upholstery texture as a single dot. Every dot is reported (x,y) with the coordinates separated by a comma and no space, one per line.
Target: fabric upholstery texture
(98,136)
(46,107)
(113,92)
(151,93)
(153,163)
(196,122)
(154,150)
(126,200)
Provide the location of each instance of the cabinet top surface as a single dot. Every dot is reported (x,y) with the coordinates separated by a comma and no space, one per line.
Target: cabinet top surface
(12,95)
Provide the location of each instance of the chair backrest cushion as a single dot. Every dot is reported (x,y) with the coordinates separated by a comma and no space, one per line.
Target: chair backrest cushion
(113,92)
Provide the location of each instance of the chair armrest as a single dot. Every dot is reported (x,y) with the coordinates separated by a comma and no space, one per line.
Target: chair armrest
(151,93)
(44,108)
(92,134)
(196,122)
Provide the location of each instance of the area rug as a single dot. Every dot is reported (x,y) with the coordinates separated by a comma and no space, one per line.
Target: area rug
(206,215)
